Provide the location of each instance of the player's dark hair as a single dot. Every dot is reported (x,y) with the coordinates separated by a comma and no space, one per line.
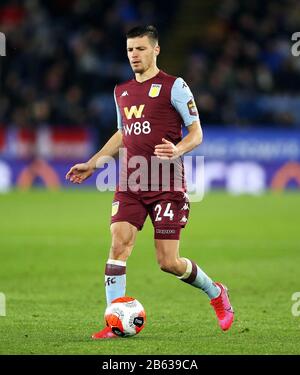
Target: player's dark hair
(140,31)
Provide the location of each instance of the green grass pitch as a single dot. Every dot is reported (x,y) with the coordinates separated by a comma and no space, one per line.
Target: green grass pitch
(53,249)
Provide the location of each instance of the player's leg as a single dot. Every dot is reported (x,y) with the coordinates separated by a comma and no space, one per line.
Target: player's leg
(123,236)
(167,252)
(128,216)
(169,215)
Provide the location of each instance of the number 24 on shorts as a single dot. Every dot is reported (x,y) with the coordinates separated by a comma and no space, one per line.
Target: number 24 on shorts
(166,213)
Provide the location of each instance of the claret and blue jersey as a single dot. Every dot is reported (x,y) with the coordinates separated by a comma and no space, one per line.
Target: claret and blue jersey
(152,110)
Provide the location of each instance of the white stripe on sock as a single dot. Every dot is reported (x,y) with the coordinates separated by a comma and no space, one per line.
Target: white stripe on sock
(116,262)
(188,269)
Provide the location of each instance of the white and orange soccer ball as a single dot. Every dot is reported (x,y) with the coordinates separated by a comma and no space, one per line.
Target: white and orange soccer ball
(125,316)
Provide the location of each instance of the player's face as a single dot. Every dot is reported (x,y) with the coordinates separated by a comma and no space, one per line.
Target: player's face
(141,54)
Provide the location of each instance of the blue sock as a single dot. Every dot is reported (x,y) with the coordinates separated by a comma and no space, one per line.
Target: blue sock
(197,278)
(115,279)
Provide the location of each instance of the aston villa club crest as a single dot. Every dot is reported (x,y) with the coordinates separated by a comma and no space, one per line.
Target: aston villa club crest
(154,90)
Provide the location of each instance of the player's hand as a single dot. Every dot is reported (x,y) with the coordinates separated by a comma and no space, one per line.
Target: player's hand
(166,150)
(79,172)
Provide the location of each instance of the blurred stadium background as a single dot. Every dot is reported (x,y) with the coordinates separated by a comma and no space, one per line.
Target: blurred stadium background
(64,58)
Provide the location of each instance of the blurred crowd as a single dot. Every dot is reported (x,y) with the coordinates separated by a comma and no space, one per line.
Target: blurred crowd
(242,69)
(65,57)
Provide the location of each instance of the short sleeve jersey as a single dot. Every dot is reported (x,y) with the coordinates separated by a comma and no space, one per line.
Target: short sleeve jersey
(154,109)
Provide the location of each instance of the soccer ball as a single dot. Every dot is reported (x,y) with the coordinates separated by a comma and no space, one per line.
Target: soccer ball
(125,316)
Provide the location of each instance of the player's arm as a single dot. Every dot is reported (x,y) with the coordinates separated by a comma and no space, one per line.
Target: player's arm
(183,101)
(80,172)
(167,150)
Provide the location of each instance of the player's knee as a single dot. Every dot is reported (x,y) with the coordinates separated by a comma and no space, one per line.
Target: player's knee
(121,248)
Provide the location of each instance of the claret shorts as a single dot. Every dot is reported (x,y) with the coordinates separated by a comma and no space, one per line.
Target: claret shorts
(169,211)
